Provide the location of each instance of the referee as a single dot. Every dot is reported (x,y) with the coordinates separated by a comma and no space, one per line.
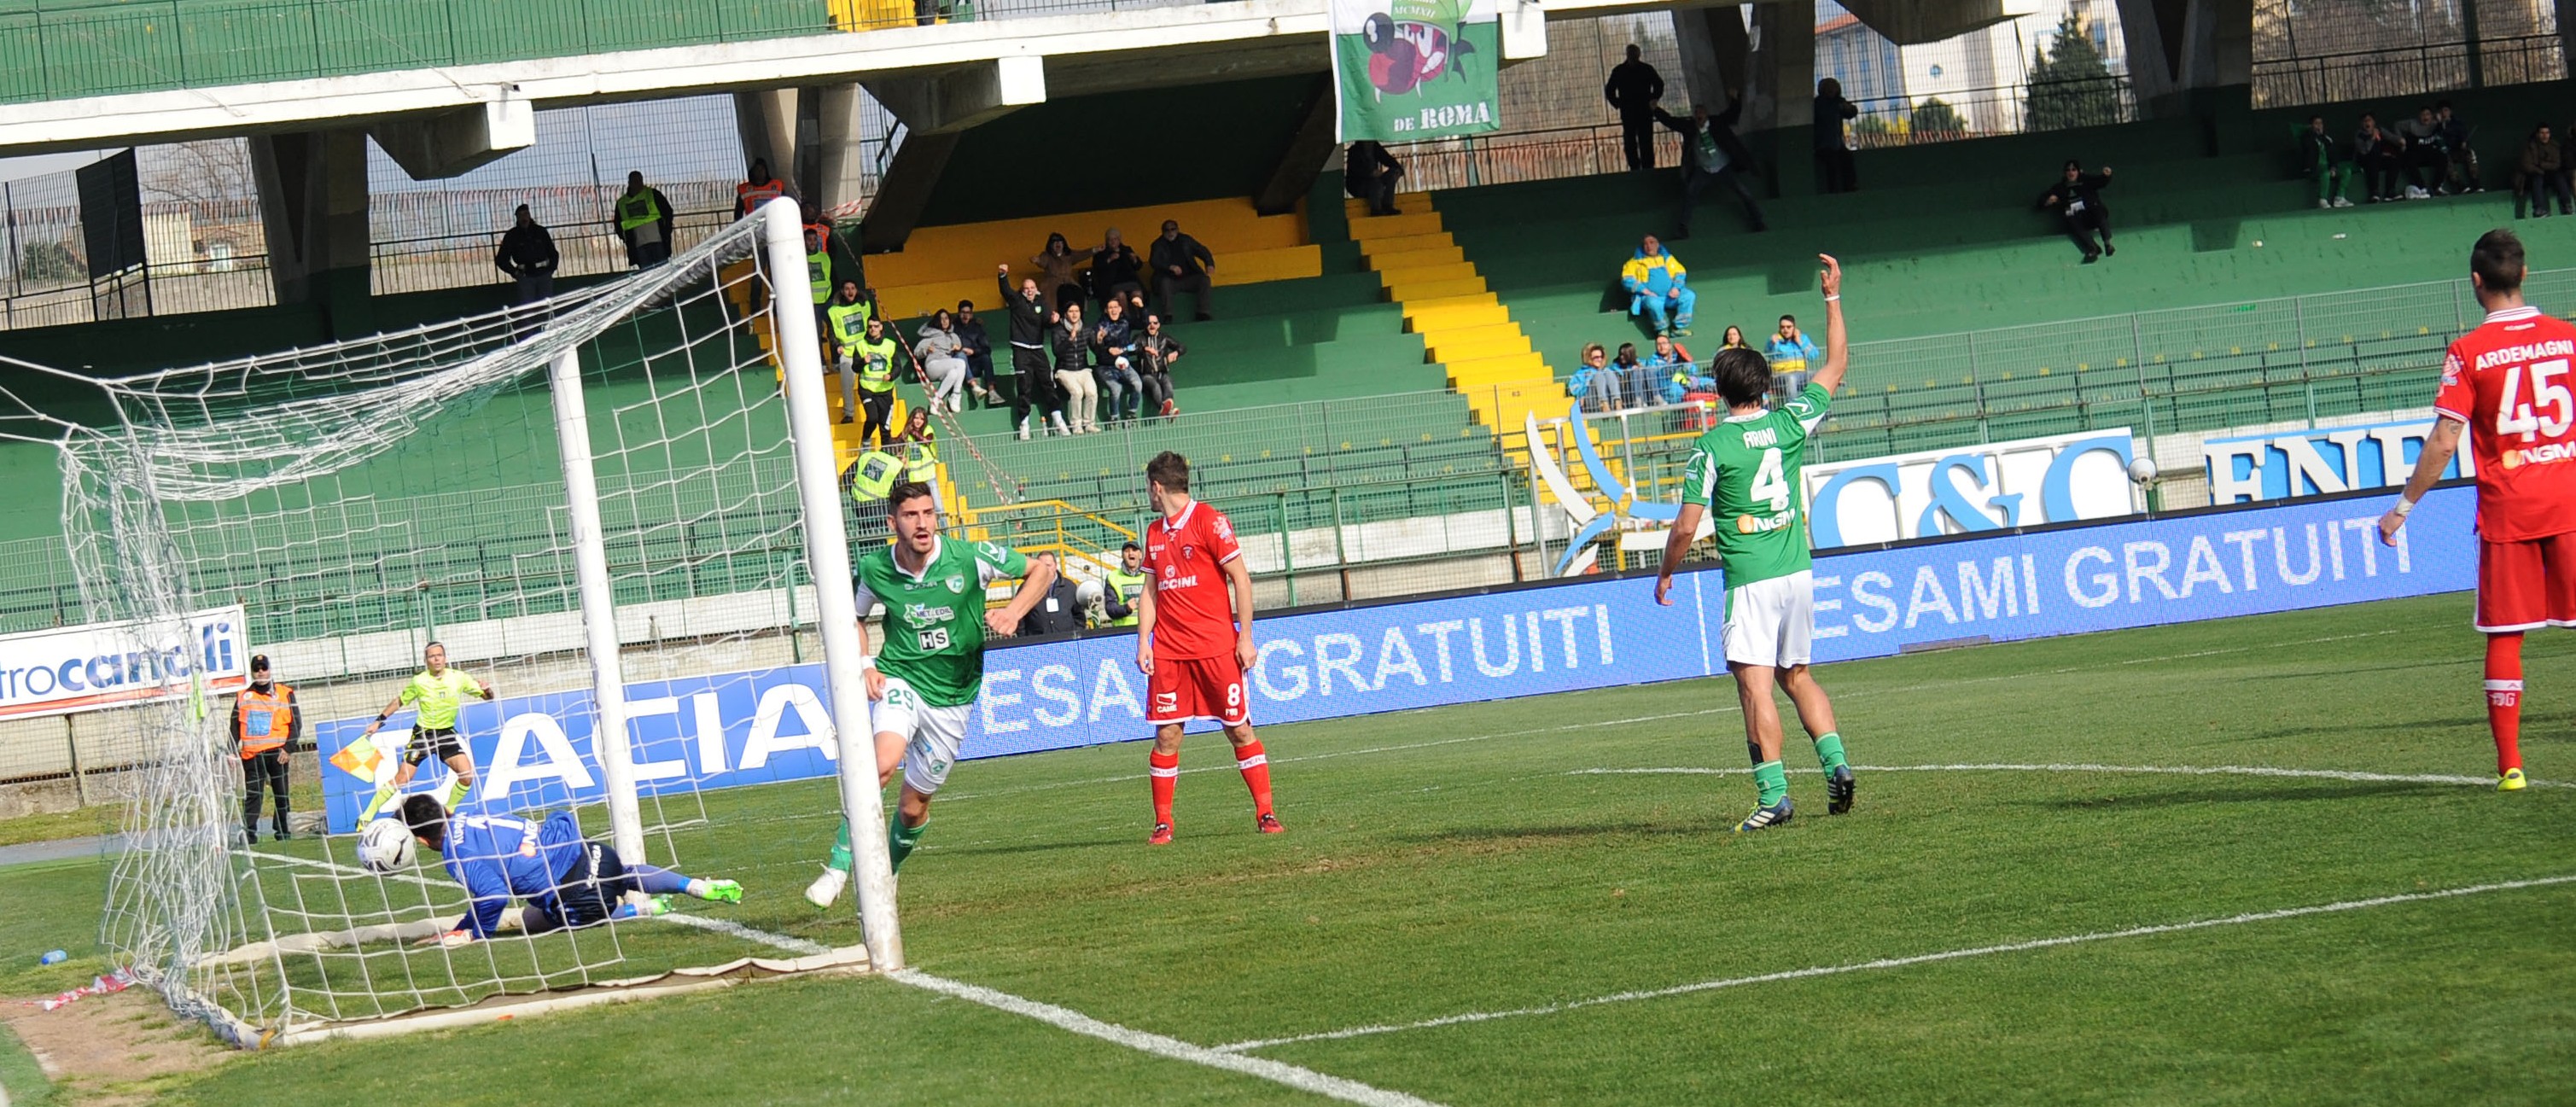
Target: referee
(437,692)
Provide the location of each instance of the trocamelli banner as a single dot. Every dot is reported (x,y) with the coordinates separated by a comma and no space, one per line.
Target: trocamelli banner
(1406,70)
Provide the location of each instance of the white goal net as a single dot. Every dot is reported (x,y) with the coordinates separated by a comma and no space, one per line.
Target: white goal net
(596,507)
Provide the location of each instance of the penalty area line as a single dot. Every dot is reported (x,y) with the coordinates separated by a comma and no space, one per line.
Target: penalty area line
(1277,1072)
(1906,962)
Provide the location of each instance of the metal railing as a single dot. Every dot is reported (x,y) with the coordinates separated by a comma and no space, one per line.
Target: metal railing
(62,50)
(218,284)
(2407,70)
(463,260)
(1915,120)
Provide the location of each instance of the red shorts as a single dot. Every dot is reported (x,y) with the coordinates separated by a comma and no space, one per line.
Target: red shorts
(2527,585)
(1198,688)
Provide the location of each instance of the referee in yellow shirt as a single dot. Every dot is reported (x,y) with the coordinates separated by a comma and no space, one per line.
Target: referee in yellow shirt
(436,692)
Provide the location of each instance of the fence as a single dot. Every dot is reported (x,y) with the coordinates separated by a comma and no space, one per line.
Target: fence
(1986,112)
(461,260)
(2408,70)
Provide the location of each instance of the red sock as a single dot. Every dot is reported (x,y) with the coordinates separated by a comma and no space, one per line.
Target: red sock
(1165,769)
(1255,765)
(2504,699)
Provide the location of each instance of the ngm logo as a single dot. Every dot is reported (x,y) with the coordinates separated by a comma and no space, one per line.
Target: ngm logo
(2549,454)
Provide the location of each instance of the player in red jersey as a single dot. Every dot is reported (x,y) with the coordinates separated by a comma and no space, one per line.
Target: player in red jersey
(1194,638)
(2512,384)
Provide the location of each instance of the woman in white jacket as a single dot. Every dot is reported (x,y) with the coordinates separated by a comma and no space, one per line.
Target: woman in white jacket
(938,350)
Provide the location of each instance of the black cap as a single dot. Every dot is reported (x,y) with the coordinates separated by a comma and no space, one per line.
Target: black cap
(259,663)
(1129,546)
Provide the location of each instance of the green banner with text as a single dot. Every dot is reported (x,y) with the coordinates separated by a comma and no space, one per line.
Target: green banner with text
(1407,70)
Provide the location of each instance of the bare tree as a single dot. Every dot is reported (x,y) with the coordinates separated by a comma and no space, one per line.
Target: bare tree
(200,173)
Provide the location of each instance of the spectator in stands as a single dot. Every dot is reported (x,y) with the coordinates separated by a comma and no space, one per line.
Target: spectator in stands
(1789,352)
(1060,612)
(1633,89)
(1123,584)
(1113,351)
(2541,175)
(1835,170)
(1673,372)
(1115,269)
(1136,307)
(644,223)
(1659,287)
(1636,384)
(2428,158)
(1733,340)
(1180,264)
(528,255)
(976,346)
(1160,352)
(1056,272)
(2077,200)
(1032,382)
(760,188)
(1071,344)
(2463,175)
(1369,173)
(939,351)
(1593,384)
(918,446)
(2380,155)
(845,325)
(2326,160)
(1713,155)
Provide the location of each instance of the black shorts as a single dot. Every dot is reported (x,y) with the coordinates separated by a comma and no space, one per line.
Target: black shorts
(428,742)
(594,886)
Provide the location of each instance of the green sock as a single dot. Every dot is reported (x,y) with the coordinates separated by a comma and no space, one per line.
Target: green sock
(1829,750)
(900,838)
(376,804)
(1772,779)
(840,859)
(456,790)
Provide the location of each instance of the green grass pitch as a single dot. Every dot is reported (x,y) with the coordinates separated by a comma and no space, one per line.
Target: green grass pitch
(1485,867)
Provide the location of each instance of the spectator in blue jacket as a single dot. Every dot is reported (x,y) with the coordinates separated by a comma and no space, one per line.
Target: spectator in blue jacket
(1675,374)
(1789,353)
(1593,383)
(563,880)
(1659,287)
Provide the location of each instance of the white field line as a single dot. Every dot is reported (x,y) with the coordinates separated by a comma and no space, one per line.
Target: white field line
(1277,1072)
(1905,962)
(1727,709)
(2164,770)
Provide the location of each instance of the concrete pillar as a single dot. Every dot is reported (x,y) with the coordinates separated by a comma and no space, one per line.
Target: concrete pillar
(935,109)
(313,205)
(1716,53)
(452,143)
(2567,32)
(1310,153)
(766,121)
(841,151)
(2151,75)
(2217,47)
(1780,100)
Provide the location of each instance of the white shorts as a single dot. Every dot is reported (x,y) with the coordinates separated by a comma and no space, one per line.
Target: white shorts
(1771,622)
(932,734)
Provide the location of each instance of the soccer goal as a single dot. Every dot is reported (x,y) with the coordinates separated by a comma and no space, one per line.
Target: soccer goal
(619,510)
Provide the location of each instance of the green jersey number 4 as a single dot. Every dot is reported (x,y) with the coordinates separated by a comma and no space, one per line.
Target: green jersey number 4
(1770,481)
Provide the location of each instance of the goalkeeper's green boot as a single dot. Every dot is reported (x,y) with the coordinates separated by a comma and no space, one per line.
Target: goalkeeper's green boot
(723,891)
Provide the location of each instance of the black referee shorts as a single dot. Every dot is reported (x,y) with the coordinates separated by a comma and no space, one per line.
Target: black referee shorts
(428,742)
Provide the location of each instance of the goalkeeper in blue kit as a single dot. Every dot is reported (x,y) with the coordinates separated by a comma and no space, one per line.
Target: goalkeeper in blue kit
(562,879)
(1746,471)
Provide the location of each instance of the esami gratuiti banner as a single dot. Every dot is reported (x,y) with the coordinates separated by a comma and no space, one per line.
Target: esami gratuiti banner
(1406,70)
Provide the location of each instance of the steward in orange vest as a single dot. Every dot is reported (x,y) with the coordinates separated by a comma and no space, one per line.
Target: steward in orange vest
(265,727)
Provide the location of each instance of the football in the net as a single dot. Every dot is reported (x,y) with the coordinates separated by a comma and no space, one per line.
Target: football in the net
(385,846)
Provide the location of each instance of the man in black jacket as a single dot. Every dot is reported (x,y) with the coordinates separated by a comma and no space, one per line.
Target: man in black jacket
(528,255)
(1031,381)
(1180,263)
(644,223)
(1835,169)
(1115,268)
(1059,613)
(1633,88)
(1711,154)
(2077,200)
(1369,173)
(976,346)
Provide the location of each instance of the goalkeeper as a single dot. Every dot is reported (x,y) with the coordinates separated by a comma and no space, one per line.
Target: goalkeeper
(932,671)
(439,691)
(565,880)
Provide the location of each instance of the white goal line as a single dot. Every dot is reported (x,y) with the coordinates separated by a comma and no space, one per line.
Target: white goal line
(1903,962)
(2087,767)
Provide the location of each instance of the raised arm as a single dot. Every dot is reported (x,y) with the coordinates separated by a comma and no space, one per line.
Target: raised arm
(2439,447)
(1676,544)
(1837,344)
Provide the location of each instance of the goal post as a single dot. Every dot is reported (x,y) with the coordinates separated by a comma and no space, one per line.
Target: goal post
(836,602)
(621,508)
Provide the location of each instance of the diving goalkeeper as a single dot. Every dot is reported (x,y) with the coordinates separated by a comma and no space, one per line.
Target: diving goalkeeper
(565,880)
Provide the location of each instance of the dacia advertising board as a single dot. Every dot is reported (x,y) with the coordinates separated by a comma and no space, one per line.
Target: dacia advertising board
(727,729)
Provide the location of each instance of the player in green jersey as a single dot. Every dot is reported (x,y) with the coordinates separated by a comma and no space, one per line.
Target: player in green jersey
(926,678)
(1745,472)
(437,692)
